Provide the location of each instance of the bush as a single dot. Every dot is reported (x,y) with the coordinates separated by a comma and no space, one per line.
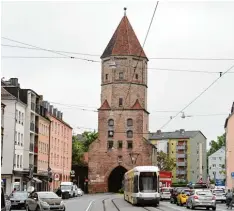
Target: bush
(121,191)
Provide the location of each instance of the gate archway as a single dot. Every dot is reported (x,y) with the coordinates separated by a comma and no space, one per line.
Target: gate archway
(115,179)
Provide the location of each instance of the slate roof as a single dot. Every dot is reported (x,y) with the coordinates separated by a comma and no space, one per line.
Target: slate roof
(124,42)
(174,135)
(5,95)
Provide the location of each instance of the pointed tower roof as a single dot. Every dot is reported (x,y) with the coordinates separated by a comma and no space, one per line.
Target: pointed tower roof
(105,106)
(124,41)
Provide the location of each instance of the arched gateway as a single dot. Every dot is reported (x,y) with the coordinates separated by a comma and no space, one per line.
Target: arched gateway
(123,127)
(115,180)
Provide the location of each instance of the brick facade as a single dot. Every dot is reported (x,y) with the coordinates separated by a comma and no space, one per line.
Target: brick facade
(103,157)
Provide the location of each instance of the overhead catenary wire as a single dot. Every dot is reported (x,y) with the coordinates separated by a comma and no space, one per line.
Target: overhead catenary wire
(154,58)
(190,103)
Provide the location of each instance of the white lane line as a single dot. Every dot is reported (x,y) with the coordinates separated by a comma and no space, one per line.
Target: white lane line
(90,204)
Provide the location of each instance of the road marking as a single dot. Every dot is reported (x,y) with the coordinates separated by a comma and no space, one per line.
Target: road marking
(89,205)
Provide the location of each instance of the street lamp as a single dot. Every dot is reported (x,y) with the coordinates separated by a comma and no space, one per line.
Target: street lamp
(133,156)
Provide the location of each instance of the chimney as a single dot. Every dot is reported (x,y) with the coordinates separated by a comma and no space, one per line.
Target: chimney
(51,109)
(159,132)
(55,112)
(58,114)
(14,82)
(61,116)
(182,131)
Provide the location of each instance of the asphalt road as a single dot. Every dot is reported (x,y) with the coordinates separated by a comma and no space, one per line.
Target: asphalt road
(115,202)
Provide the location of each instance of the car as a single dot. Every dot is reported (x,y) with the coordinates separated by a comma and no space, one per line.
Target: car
(220,195)
(8,202)
(201,198)
(80,192)
(174,194)
(18,199)
(44,201)
(165,193)
(182,196)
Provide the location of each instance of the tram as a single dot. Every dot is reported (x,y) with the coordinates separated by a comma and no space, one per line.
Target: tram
(141,185)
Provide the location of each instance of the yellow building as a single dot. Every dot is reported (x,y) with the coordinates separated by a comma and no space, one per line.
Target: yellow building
(188,148)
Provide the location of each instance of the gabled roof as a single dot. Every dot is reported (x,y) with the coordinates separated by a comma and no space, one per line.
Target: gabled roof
(218,151)
(137,105)
(5,95)
(174,135)
(124,42)
(105,106)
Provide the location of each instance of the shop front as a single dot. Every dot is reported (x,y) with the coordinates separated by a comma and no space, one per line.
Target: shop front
(6,183)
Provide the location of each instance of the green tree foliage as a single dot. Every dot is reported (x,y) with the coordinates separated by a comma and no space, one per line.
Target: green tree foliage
(80,146)
(216,145)
(165,163)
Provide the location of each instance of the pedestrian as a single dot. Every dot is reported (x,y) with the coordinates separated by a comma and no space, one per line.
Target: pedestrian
(14,190)
(59,192)
(229,199)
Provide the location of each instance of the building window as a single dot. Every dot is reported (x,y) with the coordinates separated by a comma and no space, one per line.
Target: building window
(19,116)
(129,146)
(121,76)
(213,158)
(17,161)
(136,76)
(129,122)
(129,134)
(214,165)
(106,76)
(21,161)
(18,138)
(120,144)
(110,133)
(110,122)
(120,102)
(16,118)
(22,119)
(22,139)
(110,144)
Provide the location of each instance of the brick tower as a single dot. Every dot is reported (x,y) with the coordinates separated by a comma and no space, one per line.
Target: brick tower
(123,116)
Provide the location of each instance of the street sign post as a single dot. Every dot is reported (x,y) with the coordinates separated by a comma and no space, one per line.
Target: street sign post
(232,175)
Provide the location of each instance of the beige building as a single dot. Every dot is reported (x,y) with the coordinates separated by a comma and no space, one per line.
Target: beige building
(229,127)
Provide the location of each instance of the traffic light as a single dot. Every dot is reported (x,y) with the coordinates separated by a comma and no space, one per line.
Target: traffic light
(50,174)
(50,179)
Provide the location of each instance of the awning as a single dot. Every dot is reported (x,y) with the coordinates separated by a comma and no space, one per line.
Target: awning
(37,180)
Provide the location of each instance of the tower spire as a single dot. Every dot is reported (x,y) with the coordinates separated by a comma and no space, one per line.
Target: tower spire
(125,9)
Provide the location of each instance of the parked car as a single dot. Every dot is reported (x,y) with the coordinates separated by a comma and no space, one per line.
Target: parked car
(67,188)
(18,199)
(165,193)
(182,196)
(201,198)
(75,193)
(219,194)
(174,194)
(44,201)
(80,192)
(8,202)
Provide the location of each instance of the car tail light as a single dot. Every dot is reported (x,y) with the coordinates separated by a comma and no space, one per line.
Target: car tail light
(195,197)
(213,198)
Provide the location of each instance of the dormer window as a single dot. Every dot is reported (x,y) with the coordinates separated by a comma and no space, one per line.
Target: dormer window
(121,76)
(129,134)
(129,122)
(110,122)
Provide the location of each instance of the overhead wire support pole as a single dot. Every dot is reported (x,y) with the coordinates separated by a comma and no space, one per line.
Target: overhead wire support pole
(223,73)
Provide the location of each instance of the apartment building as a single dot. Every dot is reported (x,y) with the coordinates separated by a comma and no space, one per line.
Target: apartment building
(188,149)
(216,165)
(13,148)
(229,128)
(60,146)
(2,127)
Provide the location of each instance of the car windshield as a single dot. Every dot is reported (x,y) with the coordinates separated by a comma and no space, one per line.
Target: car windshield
(19,195)
(65,187)
(203,193)
(148,182)
(47,195)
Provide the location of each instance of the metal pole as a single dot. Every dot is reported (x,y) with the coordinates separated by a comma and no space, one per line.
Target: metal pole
(78,181)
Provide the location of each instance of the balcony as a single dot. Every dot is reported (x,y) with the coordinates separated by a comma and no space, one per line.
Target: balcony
(36,130)
(181,156)
(181,172)
(179,147)
(33,106)
(38,109)
(32,126)
(181,163)
(31,147)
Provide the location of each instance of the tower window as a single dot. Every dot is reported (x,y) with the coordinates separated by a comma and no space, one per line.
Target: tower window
(129,145)
(121,76)
(110,134)
(106,76)
(136,76)
(129,122)
(129,134)
(120,101)
(120,144)
(110,122)
(110,144)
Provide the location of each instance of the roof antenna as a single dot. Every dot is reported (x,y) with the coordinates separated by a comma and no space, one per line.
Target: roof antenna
(125,8)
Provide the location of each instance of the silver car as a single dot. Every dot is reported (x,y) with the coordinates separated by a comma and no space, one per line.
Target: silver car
(44,201)
(201,198)
(220,195)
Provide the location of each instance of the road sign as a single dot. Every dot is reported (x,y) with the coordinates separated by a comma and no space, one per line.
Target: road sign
(56,177)
(232,175)
(219,182)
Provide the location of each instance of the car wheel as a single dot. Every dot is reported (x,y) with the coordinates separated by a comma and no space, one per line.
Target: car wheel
(38,208)
(27,208)
(213,208)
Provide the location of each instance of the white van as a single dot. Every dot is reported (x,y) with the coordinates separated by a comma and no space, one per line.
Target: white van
(68,187)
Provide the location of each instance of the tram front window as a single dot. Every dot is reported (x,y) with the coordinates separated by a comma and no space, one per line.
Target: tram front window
(148,182)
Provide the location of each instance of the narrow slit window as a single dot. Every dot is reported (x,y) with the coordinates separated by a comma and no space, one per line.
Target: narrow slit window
(121,76)
(120,101)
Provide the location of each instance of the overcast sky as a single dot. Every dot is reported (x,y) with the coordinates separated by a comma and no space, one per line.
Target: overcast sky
(179,30)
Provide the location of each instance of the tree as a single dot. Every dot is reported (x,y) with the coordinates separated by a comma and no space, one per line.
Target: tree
(80,146)
(216,145)
(165,163)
